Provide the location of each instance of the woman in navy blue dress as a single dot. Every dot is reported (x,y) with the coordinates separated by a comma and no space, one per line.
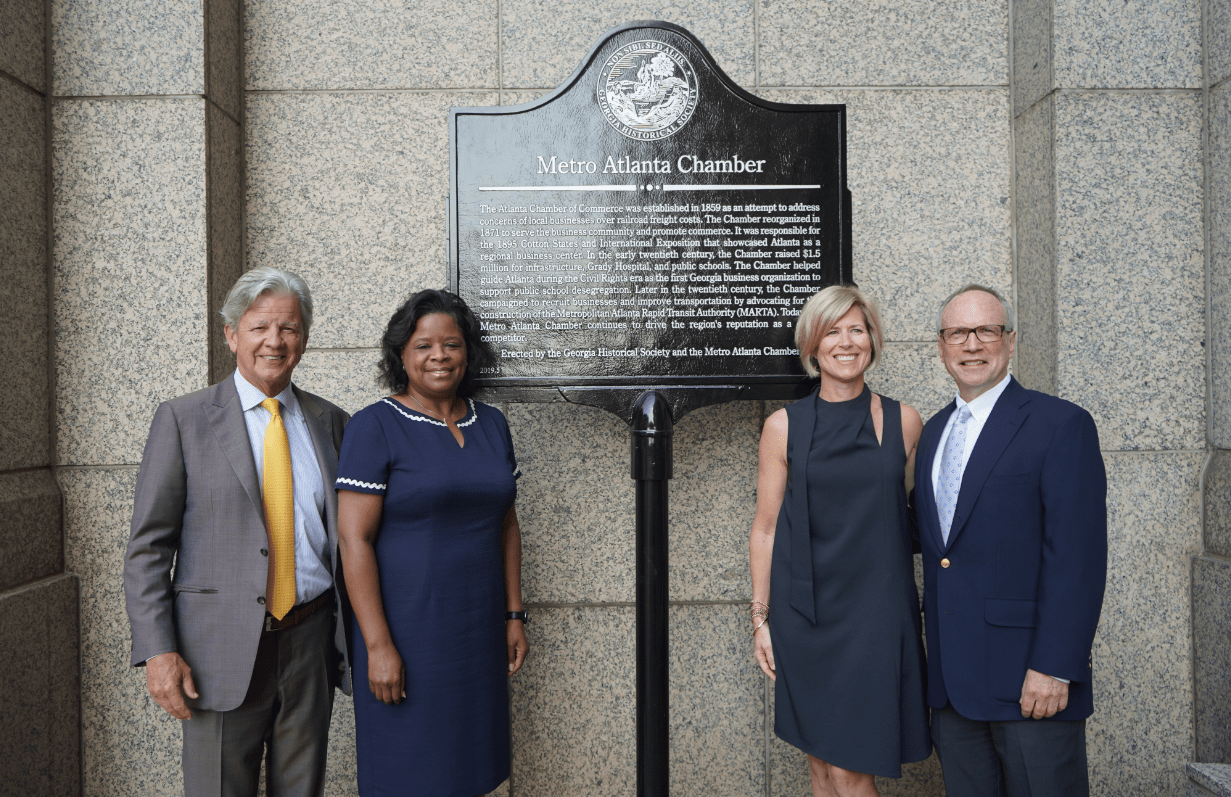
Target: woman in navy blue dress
(431,555)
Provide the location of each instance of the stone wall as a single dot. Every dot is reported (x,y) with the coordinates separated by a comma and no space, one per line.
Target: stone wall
(1212,571)
(1050,148)
(39,737)
(146,209)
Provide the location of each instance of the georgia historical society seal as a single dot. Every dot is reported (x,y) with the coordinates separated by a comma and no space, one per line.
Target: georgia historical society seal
(647,90)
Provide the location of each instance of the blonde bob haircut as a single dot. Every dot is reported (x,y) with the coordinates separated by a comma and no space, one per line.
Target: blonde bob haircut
(825,309)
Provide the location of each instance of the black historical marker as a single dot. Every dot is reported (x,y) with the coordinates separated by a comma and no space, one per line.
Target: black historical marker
(642,240)
(647,224)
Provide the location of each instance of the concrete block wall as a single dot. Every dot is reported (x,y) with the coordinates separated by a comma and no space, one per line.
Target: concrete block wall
(1049,148)
(39,738)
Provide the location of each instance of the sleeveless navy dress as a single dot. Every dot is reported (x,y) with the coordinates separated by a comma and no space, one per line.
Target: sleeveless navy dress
(442,583)
(845,619)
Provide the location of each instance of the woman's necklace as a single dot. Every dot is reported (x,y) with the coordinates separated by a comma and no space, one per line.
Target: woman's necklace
(444,418)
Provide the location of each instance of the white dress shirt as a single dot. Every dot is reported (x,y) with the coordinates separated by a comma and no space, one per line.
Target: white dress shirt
(980,409)
(312,558)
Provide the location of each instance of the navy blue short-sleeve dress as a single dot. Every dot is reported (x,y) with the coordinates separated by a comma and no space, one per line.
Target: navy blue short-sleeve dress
(441,569)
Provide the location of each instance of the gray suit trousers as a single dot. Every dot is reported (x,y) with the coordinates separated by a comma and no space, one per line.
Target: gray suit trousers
(284,719)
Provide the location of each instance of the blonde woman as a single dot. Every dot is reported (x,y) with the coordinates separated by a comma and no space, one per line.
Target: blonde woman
(835,610)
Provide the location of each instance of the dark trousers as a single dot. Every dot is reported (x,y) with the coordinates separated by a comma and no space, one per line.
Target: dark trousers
(1026,758)
(284,718)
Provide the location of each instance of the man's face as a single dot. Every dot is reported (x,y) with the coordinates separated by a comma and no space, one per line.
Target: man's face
(269,342)
(976,366)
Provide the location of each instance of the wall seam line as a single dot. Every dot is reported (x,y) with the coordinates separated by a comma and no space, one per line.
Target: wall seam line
(206,88)
(53,442)
(222,110)
(1156,90)
(1202,508)
(1015,270)
(241,79)
(22,83)
(122,97)
(456,90)
(903,87)
(756,48)
(500,63)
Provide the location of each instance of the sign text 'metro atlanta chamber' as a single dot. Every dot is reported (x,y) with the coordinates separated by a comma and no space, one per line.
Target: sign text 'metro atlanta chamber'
(649,222)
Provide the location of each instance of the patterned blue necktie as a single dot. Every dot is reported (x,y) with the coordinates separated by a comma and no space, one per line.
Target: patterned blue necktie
(950,482)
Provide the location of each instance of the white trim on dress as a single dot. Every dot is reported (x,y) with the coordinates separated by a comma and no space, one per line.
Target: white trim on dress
(425,419)
(355,483)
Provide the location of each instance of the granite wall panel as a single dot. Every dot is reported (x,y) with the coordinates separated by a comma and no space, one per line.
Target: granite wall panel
(929,172)
(1218,41)
(518,97)
(1036,248)
(22,41)
(574,718)
(347,378)
(717,704)
(1209,779)
(129,744)
(24,436)
(1212,657)
(39,742)
(1219,197)
(884,43)
(224,59)
(1218,504)
(712,498)
(397,44)
(127,47)
(1032,65)
(30,535)
(542,43)
(341,771)
(575,503)
(225,192)
(350,191)
(1141,733)
(1143,44)
(913,374)
(129,270)
(1130,268)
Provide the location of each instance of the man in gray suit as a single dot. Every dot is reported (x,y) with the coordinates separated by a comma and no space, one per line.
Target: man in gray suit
(240,641)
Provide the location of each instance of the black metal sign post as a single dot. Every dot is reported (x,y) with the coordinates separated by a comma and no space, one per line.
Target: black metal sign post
(651,468)
(642,240)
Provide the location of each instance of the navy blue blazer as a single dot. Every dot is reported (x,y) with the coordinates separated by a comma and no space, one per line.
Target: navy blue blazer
(1020,583)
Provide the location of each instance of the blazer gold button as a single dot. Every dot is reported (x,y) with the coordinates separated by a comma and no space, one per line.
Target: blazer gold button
(944,562)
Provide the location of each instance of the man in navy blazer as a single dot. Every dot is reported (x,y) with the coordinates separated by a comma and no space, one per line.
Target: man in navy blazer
(1011,498)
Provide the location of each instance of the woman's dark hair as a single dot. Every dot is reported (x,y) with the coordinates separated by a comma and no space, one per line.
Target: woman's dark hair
(402,325)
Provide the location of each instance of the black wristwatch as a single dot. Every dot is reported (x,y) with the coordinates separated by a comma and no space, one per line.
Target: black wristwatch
(523,615)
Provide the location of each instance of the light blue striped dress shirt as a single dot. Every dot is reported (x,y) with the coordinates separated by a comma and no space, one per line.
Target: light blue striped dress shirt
(312,571)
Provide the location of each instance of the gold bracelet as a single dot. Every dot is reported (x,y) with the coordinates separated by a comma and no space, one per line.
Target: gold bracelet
(758,626)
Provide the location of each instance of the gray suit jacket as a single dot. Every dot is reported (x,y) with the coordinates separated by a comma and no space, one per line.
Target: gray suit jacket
(198,505)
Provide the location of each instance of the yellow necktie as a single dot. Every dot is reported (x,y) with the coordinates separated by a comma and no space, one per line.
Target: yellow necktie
(278,491)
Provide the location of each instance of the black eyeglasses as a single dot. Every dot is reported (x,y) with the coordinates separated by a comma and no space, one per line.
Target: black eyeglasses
(988,333)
